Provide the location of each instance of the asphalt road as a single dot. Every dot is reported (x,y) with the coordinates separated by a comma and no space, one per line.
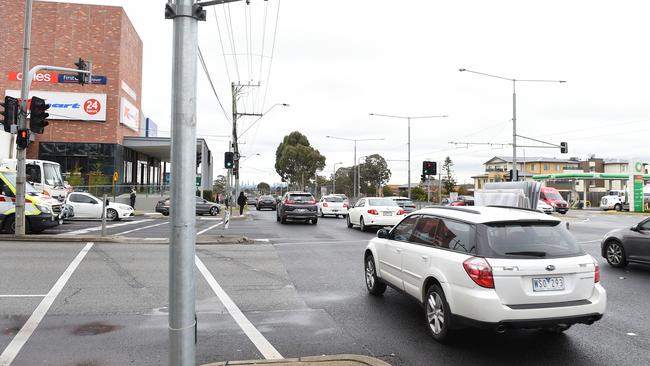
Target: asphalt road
(301,287)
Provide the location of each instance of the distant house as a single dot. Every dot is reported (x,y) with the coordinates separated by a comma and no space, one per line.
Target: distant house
(498,168)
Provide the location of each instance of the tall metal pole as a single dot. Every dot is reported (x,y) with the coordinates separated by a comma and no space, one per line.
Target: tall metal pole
(234,137)
(515,173)
(409,158)
(182,322)
(21,154)
(354,189)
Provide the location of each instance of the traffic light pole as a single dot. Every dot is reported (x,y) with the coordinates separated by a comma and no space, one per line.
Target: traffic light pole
(21,154)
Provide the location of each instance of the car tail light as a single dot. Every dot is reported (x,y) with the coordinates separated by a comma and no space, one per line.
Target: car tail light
(286,200)
(479,271)
(325,204)
(311,202)
(401,212)
(167,203)
(372,211)
(345,205)
(596,273)
(411,206)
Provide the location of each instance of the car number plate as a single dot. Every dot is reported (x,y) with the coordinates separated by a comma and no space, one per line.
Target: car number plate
(335,210)
(300,210)
(388,214)
(548,284)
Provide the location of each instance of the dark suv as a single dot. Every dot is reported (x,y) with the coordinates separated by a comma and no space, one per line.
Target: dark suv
(297,206)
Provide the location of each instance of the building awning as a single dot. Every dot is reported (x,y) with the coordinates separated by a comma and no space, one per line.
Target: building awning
(156,147)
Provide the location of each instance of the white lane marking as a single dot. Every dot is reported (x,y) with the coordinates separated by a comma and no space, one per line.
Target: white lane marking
(16,344)
(323,242)
(97,228)
(23,295)
(142,228)
(208,229)
(263,345)
(590,241)
(152,239)
(263,240)
(209,218)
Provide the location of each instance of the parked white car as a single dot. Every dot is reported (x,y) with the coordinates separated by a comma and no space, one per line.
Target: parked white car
(544,207)
(490,267)
(332,205)
(374,211)
(87,206)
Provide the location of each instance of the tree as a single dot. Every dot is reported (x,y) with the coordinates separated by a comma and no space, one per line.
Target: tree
(448,181)
(219,184)
(418,194)
(264,187)
(387,192)
(374,174)
(344,180)
(296,161)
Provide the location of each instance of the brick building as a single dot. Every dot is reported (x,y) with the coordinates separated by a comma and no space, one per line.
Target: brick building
(94,127)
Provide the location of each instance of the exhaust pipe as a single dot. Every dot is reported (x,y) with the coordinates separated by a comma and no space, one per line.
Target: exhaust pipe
(501,329)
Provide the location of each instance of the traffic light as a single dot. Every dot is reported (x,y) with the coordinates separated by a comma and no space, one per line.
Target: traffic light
(423,178)
(22,139)
(235,172)
(229,159)
(429,167)
(10,113)
(564,147)
(83,77)
(38,115)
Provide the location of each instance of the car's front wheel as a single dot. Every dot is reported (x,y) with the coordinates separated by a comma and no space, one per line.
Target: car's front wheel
(314,221)
(349,223)
(615,254)
(214,211)
(321,213)
(111,215)
(618,207)
(436,312)
(374,286)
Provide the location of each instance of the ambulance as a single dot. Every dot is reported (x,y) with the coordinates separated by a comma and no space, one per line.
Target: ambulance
(41,211)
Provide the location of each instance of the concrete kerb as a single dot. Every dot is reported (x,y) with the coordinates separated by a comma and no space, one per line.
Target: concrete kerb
(333,360)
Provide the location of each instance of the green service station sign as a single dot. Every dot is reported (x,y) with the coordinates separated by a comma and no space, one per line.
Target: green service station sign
(635,186)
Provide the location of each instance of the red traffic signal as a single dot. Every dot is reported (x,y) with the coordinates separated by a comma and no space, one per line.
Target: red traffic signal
(38,115)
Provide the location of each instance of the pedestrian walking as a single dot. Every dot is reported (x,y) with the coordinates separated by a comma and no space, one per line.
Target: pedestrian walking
(132,197)
(241,201)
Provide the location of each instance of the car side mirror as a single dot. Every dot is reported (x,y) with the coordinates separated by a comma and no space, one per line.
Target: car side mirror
(635,228)
(383,234)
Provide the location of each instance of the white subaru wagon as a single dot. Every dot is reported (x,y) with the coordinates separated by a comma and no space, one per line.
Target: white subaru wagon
(489,267)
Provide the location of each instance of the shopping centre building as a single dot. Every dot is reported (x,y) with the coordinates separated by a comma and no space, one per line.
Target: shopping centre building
(97,127)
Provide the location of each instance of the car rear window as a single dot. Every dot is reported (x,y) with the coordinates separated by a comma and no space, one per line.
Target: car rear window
(301,197)
(381,202)
(529,240)
(333,199)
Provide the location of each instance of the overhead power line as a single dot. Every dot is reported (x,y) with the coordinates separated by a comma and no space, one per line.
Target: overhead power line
(207,74)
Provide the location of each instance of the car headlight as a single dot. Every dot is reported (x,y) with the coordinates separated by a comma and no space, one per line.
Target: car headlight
(43,208)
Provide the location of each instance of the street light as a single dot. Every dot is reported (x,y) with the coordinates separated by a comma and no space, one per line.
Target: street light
(334,179)
(515,175)
(262,116)
(355,155)
(408,118)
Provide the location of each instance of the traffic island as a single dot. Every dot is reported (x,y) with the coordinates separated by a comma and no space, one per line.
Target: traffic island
(333,360)
(200,240)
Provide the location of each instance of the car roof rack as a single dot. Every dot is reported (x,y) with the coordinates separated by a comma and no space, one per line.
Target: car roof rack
(515,208)
(455,208)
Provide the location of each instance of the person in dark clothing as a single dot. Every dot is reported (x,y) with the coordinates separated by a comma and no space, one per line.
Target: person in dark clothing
(132,196)
(241,201)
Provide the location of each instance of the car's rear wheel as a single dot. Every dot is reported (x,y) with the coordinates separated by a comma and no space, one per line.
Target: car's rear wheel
(111,214)
(10,225)
(615,254)
(436,312)
(314,221)
(362,225)
(374,286)
(349,223)
(214,211)
(166,213)
(321,213)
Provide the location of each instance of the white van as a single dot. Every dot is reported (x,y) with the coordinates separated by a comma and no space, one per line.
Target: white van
(44,175)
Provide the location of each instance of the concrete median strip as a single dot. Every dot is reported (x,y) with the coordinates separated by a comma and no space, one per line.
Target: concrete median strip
(334,360)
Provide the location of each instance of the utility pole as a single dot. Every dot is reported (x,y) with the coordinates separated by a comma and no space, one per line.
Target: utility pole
(236,89)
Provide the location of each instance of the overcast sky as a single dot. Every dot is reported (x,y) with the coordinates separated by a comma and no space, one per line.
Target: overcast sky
(336,61)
